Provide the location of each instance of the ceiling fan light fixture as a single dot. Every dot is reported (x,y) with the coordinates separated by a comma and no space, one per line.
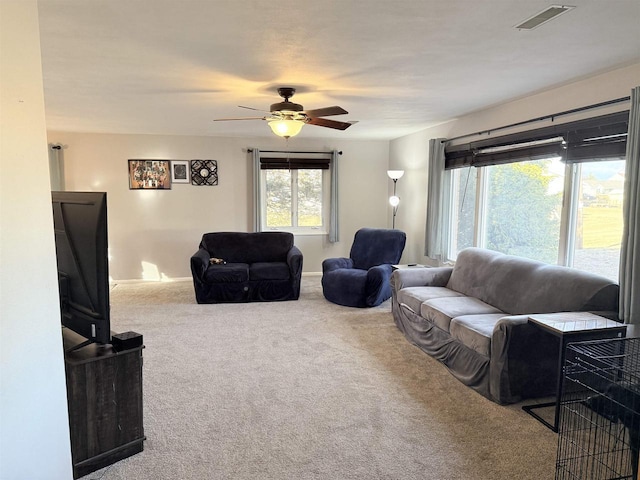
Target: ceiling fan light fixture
(286,127)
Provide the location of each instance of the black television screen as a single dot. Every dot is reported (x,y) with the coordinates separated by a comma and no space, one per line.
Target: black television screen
(80,226)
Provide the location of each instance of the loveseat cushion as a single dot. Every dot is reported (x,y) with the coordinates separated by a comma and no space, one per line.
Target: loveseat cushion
(414,297)
(475,331)
(236,247)
(229,273)
(269,271)
(440,311)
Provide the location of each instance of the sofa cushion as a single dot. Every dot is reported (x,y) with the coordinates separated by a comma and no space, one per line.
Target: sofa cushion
(475,331)
(440,311)
(414,297)
(227,273)
(269,271)
(519,285)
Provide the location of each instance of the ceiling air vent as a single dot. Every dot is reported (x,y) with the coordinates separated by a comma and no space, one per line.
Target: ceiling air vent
(544,16)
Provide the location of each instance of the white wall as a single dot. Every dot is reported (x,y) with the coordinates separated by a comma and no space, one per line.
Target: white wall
(153,233)
(411,152)
(34,431)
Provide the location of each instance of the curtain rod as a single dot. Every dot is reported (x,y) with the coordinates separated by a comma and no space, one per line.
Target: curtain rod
(545,117)
(290,151)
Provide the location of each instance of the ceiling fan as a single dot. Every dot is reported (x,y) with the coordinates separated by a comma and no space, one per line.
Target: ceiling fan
(286,118)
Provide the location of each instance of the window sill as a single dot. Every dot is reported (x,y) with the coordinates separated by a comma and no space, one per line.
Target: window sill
(299,232)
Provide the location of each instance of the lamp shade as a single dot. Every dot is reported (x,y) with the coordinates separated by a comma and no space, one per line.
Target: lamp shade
(395,174)
(285,127)
(394,201)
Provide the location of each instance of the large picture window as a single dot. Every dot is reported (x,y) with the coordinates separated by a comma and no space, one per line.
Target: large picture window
(557,200)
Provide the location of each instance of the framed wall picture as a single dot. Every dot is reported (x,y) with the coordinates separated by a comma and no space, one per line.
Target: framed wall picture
(204,172)
(180,171)
(149,175)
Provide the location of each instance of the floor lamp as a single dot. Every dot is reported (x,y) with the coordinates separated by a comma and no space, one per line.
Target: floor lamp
(394,200)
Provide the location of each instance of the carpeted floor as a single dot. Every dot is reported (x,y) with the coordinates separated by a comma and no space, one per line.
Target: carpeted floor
(307,390)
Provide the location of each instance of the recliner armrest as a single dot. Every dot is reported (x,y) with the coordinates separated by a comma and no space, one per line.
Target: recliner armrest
(330,264)
(200,262)
(377,286)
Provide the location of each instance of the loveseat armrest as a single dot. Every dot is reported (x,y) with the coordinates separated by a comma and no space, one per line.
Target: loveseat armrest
(330,264)
(294,260)
(420,277)
(200,263)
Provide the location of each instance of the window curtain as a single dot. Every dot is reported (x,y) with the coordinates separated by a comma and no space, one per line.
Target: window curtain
(56,171)
(257,197)
(630,249)
(437,207)
(334,230)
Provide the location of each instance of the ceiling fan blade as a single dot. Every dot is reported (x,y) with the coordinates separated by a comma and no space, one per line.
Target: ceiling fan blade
(323,122)
(240,118)
(326,112)
(255,109)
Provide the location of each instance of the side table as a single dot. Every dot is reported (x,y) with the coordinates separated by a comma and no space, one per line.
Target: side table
(570,327)
(408,265)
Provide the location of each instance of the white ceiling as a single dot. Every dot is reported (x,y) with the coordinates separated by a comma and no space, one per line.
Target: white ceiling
(397,66)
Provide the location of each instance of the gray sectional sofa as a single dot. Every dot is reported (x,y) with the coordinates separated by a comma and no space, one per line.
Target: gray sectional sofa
(473,317)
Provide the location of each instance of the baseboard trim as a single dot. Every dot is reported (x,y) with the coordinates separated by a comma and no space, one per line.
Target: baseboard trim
(113,283)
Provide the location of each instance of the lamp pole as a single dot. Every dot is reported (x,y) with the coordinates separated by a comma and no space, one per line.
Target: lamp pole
(394,200)
(395,207)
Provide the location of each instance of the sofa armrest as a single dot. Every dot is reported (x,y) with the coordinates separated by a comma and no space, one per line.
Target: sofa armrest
(200,263)
(420,277)
(524,360)
(294,260)
(330,264)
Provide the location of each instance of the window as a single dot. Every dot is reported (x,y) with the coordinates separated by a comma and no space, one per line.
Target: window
(295,194)
(294,199)
(522,208)
(596,234)
(463,210)
(514,208)
(537,201)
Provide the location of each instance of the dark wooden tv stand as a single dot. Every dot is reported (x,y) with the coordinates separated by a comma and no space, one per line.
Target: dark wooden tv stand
(104,395)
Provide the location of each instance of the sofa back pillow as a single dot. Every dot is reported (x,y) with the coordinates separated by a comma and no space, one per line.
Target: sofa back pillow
(519,285)
(241,247)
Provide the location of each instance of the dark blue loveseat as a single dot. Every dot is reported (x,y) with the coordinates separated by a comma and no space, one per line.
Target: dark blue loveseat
(262,266)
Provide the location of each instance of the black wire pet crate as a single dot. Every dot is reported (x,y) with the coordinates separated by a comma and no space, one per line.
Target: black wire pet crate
(599,431)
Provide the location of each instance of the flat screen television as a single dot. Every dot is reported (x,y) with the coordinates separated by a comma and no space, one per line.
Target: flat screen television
(80,226)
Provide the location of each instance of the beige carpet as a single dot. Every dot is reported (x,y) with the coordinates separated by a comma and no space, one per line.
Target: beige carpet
(307,390)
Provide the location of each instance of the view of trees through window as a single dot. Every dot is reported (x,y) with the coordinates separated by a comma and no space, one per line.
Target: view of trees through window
(524,206)
(519,212)
(278,187)
(294,198)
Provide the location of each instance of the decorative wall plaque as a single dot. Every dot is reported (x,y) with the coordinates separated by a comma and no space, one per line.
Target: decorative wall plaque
(179,171)
(204,172)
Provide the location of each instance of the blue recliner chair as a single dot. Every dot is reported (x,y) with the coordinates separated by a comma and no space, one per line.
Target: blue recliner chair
(362,280)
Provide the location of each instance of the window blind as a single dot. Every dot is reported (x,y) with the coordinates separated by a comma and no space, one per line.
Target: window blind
(279,163)
(593,139)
